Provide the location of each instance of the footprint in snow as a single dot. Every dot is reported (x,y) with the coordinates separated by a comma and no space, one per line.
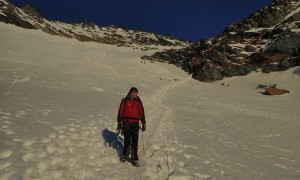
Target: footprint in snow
(28,142)
(5,154)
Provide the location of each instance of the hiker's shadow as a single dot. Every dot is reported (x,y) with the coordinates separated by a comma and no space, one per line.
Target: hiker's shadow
(112,139)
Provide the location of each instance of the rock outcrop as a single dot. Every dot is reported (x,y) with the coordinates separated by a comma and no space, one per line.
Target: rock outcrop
(274,91)
(28,17)
(269,39)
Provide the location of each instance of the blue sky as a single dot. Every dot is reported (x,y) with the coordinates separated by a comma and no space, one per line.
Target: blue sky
(184,19)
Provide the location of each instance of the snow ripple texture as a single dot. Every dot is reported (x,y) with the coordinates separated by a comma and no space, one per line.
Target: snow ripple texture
(59,103)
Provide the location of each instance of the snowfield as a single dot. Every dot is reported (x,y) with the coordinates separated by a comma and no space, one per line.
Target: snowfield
(58,107)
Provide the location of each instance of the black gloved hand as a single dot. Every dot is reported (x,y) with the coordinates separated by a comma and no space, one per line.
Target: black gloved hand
(144,127)
(120,126)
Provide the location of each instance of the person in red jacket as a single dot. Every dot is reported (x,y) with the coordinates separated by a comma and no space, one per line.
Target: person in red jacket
(131,113)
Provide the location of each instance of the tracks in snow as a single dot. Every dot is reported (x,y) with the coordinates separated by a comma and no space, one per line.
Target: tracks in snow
(158,110)
(154,153)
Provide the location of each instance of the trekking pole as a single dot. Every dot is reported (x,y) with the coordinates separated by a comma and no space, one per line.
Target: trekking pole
(143,143)
(144,148)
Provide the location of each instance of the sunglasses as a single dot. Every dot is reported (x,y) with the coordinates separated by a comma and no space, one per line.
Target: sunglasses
(133,91)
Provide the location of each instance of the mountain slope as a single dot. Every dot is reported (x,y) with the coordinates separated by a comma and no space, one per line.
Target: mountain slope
(28,17)
(268,39)
(59,99)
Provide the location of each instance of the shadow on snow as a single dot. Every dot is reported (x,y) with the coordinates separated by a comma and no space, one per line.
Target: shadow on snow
(112,139)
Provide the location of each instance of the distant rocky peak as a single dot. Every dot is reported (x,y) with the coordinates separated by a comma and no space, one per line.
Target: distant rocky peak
(29,17)
(30,10)
(268,39)
(282,1)
(266,17)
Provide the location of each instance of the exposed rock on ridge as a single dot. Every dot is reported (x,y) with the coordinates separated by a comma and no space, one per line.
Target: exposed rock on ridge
(29,17)
(267,39)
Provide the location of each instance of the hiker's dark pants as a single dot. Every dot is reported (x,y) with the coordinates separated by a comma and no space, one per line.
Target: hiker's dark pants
(131,140)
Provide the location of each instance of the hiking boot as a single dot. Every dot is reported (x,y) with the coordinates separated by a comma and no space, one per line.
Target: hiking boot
(136,163)
(123,158)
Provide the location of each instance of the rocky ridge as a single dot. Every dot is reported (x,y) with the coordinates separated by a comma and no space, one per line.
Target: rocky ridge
(269,39)
(28,17)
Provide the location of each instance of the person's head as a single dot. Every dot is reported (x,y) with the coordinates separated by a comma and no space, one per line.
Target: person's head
(133,92)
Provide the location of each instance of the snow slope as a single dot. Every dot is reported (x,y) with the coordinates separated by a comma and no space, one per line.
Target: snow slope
(58,105)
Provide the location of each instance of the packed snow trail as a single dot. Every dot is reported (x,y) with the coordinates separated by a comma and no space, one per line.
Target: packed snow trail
(226,138)
(59,102)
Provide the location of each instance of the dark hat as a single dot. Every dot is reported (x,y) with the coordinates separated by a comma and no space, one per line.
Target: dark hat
(133,89)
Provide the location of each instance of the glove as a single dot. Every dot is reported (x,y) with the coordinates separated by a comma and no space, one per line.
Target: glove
(120,126)
(144,127)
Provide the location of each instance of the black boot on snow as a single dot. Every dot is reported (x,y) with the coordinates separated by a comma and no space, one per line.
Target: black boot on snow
(123,158)
(135,163)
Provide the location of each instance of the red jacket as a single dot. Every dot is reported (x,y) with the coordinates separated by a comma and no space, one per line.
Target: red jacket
(131,110)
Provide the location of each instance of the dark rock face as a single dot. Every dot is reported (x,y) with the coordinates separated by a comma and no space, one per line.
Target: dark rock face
(249,48)
(267,39)
(12,17)
(281,66)
(30,10)
(270,68)
(287,43)
(237,70)
(272,17)
(208,74)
